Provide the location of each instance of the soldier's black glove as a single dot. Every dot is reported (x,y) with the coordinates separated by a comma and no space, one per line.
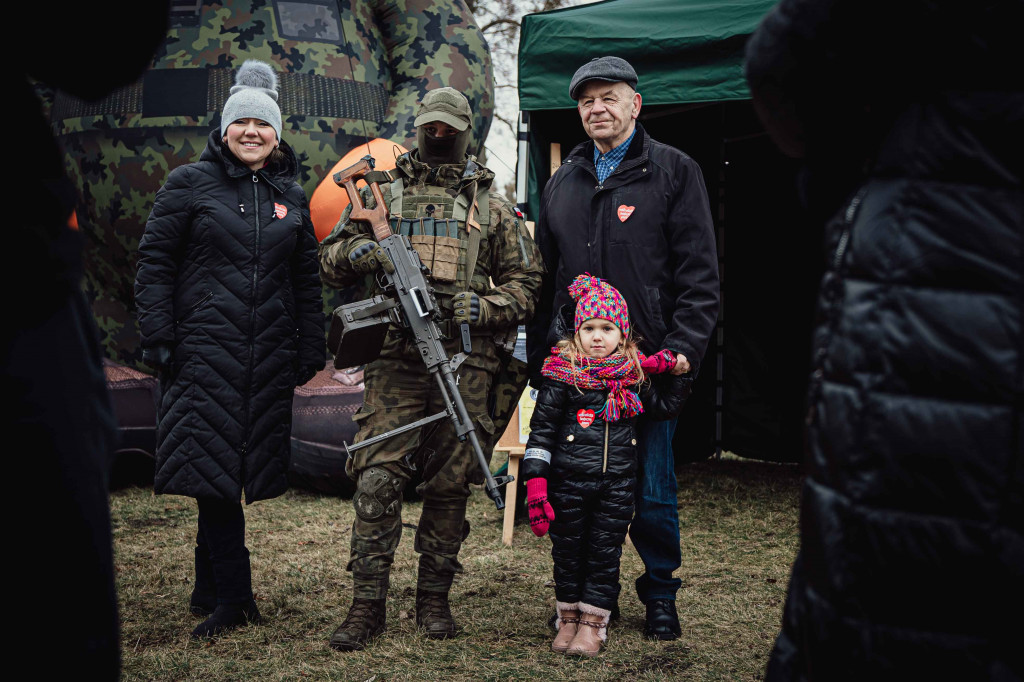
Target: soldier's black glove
(159,358)
(305,373)
(467,307)
(367,256)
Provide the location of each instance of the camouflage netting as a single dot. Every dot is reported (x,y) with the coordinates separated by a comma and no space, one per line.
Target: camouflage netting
(121,148)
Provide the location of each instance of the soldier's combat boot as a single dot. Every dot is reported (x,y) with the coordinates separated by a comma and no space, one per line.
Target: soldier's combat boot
(365,620)
(434,615)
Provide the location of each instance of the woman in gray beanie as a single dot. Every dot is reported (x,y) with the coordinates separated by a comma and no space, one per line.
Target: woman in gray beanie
(228,294)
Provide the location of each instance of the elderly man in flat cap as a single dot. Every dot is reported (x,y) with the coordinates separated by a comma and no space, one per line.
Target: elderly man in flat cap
(634,212)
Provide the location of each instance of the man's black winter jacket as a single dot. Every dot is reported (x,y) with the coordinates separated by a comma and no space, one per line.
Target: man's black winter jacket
(647,231)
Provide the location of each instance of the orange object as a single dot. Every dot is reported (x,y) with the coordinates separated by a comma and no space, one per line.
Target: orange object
(329,200)
(73,220)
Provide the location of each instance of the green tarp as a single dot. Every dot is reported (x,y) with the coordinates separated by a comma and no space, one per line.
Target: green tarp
(750,394)
(685,51)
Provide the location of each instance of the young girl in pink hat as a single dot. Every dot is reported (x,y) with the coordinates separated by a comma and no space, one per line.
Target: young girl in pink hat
(583,441)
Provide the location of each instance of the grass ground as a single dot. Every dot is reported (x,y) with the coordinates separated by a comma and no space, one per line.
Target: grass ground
(738,521)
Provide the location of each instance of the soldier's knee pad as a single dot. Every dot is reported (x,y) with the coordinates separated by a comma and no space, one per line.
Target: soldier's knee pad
(378,494)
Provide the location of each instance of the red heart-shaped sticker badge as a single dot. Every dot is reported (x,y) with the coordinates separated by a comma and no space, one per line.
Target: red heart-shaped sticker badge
(625,212)
(280,211)
(585,417)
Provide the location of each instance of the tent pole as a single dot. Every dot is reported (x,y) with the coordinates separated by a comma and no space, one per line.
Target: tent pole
(523,162)
(720,323)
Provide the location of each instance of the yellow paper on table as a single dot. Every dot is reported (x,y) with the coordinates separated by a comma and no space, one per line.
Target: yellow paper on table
(526,403)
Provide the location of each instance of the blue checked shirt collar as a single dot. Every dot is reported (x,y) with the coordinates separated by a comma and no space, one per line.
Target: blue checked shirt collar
(606,163)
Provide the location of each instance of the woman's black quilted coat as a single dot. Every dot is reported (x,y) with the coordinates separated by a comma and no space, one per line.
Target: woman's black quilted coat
(228,278)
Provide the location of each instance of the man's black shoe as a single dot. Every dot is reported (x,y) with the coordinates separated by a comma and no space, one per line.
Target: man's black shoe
(662,622)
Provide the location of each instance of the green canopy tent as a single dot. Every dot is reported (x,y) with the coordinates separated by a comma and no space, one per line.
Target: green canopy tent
(749,398)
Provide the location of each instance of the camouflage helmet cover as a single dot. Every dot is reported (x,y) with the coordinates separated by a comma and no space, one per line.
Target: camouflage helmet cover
(447,105)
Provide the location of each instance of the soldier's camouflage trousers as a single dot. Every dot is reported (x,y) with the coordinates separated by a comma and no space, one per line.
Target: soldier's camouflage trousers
(399,391)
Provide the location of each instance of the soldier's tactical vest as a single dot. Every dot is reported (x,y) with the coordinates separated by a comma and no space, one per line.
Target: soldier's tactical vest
(436,224)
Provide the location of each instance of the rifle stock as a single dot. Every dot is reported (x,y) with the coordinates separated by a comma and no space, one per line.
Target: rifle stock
(377,216)
(413,296)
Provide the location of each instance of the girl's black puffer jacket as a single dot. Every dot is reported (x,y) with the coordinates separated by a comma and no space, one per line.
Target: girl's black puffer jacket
(566,424)
(228,279)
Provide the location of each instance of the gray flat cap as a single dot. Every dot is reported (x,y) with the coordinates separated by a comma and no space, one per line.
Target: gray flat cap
(612,69)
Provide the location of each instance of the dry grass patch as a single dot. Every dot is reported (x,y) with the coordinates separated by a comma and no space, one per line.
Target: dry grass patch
(739,533)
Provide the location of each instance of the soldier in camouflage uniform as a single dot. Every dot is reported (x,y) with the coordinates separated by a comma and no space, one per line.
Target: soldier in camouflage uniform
(485,270)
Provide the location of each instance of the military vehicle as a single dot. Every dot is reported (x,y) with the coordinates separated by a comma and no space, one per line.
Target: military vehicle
(349,72)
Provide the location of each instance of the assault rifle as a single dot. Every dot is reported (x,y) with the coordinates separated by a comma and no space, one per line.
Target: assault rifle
(358,329)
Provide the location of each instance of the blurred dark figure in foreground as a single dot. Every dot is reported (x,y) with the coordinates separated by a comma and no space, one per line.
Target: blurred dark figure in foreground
(58,421)
(910,118)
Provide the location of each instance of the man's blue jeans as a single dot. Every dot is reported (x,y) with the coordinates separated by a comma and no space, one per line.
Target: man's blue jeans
(655,528)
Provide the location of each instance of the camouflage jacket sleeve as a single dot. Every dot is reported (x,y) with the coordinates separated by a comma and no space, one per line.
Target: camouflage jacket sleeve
(159,251)
(516,268)
(335,268)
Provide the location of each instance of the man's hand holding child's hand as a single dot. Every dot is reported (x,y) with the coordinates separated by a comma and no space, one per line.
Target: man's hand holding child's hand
(662,361)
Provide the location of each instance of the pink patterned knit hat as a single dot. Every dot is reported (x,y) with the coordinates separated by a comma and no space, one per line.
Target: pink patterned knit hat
(596,298)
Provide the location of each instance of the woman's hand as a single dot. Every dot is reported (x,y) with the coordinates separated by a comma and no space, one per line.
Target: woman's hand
(159,357)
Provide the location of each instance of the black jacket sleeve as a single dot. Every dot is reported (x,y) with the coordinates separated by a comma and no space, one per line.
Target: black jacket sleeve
(160,251)
(537,346)
(695,263)
(664,395)
(307,288)
(545,423)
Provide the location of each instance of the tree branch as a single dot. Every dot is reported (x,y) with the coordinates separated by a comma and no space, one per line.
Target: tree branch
(496,22)
(509,123)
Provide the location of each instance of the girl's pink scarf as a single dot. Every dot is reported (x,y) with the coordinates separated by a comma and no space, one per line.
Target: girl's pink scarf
(614,373)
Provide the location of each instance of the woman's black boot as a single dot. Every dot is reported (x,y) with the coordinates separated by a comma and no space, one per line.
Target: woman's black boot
(204,592)
(226,617)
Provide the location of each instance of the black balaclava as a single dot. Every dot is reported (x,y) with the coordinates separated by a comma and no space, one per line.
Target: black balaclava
(435,151)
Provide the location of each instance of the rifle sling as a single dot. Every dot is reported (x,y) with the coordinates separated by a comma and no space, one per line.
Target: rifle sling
(397,188)
(375,309)
(381,177)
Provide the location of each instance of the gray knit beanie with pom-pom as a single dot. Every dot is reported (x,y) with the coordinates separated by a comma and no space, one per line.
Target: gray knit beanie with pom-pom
(254,95)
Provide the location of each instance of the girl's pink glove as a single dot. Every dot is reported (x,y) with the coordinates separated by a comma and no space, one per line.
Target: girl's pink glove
(662,361)
(541,513)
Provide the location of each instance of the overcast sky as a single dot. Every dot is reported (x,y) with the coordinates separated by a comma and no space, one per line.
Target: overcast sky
(501,142)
